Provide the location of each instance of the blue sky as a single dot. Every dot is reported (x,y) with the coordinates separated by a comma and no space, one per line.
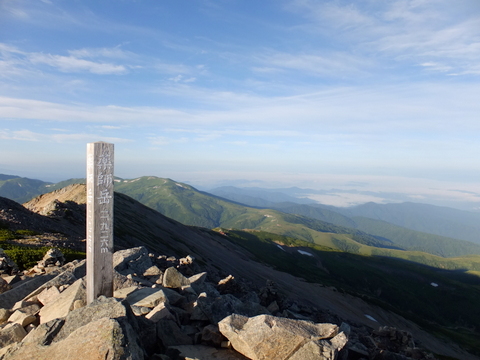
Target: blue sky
(373,95)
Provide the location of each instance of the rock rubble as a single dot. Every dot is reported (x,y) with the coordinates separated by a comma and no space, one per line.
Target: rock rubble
(167,308)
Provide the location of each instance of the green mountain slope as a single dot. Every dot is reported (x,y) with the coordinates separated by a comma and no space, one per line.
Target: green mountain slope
(180,201)
(21,189)
(192,207)
(401,237)
(416,240)
(314,212)
(437,220)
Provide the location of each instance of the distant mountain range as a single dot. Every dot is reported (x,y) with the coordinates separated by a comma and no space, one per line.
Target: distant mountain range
(321,263)
(435,230)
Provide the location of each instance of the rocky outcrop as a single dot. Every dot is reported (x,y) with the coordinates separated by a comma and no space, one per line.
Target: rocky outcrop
(267,337)
(163,309)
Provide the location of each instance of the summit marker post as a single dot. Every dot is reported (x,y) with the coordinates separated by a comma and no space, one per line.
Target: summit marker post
(100,159)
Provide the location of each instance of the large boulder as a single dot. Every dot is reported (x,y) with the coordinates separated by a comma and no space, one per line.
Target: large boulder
(102,307)
(172,278)
(267,337)
(9,298)
(147,297)
(132,261)
(11,334)
(101,339)
(63,303)
(53,257)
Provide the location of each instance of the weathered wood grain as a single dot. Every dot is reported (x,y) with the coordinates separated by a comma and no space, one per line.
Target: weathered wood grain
(100,160)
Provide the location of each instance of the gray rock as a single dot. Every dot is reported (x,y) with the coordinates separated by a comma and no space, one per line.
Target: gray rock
(12,279)
(7,265)
(160,312)
(124,292)
(269,337)
(152,271)
(132,261)
(147,297)
(53,257)
(30,308)
(121,281)
(172,278)
(11,334)
(170,334)
(44,333)
(211,335)
(174,297)
(102,307)
(64,303)
(140,310)
(48,295)
(4,285)
(9,298)
(101,339)
(4,315)
(222,306)
(207,288)
(147,333)
(64,276)
(198,279)
(22,317)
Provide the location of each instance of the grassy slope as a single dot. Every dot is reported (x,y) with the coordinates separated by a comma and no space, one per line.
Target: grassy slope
(416,240)
(180,201)
(402,237)
(21,189)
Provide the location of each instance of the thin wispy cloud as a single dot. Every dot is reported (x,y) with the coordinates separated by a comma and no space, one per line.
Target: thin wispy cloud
(31,136)
(73,64)
(14,59)
(416,31)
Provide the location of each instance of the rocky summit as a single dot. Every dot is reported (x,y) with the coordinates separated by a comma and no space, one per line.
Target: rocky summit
(169,308)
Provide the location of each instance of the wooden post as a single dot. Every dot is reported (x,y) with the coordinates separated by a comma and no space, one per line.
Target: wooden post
(99,220)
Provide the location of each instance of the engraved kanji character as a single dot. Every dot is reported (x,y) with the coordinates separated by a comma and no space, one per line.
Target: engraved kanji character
(104,197)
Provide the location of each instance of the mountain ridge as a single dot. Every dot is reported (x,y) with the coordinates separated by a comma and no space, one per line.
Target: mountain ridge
(201,208)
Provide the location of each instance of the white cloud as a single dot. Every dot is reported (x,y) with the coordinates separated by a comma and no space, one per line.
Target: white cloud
(11,108)
(73,64)
(31,136)
(406,31)
(433,108)
(22,135)
(336,64)
(18,62)
(181,78)
(115,53)
(163,140)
